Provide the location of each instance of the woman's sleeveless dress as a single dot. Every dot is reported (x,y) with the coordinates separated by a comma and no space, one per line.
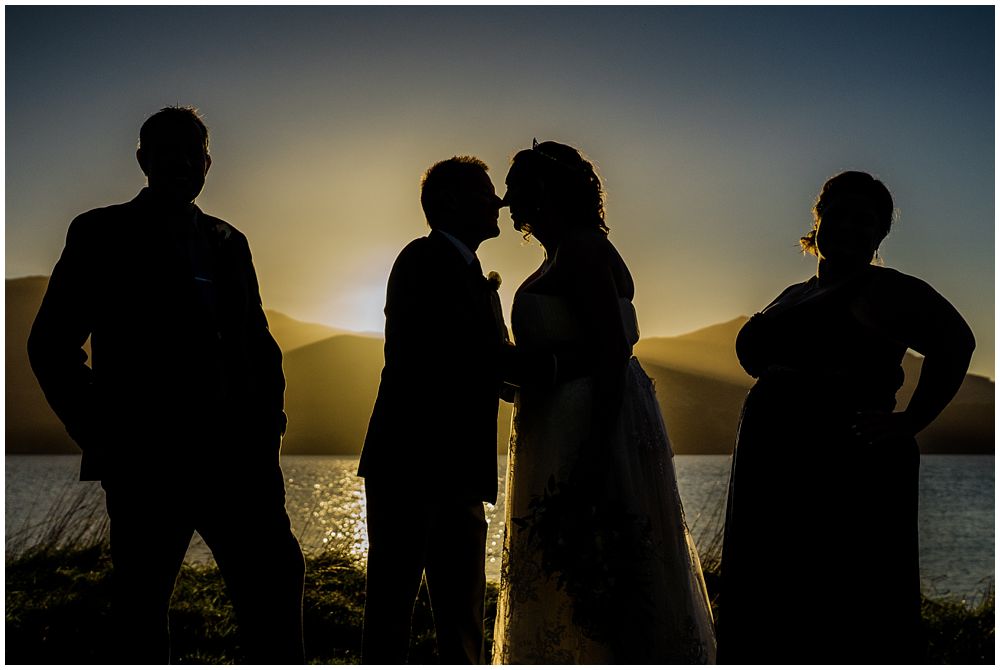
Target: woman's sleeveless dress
(647,602)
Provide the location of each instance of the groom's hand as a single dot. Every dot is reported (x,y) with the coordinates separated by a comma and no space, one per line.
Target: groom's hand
(507,392)
(519,367)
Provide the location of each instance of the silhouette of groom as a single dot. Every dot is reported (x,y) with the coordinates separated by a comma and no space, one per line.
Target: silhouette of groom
(430,457)
(180,415)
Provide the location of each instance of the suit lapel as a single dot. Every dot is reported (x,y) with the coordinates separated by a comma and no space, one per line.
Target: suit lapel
(484,311)
(450,256)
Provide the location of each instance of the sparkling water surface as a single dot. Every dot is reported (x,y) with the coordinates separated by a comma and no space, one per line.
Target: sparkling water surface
(326,503)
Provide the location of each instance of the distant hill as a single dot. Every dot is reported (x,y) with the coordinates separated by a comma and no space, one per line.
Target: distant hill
(31,427)
(965,426)
(332,386)
(332,378)
(291,334)
(701,412)
(330,393)
(708,352)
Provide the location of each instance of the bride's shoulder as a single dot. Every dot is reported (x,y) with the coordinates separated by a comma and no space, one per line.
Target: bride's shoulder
(590,253)
(585,248)
(586,240)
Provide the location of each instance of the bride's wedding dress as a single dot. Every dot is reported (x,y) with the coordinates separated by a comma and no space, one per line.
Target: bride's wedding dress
(612,578)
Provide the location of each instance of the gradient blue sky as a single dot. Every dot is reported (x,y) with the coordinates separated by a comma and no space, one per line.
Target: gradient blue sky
(714,128)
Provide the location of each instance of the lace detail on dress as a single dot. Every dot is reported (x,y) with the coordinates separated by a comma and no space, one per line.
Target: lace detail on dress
(660,611)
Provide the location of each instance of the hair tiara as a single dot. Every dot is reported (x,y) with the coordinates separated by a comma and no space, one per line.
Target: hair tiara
(558,161)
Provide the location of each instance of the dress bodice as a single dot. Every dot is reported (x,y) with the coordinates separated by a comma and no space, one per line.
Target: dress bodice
(822,339)
(540,320)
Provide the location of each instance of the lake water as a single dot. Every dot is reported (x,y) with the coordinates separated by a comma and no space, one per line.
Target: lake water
(325,501)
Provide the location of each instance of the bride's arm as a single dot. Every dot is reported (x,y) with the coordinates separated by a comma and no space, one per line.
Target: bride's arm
(589,280)
(587,277)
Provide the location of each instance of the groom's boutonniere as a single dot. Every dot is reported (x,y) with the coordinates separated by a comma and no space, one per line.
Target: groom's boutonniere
(218,232)
(493,283)
(223,231)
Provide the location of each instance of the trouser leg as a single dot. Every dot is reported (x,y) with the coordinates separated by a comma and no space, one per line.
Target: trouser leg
(250,536)
(396,548)
(149,538)
(456,581)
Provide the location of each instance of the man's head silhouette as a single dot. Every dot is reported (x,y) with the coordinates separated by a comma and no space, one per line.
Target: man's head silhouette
(173,154)
(458,197)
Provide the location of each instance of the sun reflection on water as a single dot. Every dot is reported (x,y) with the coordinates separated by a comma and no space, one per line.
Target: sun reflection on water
(326,503)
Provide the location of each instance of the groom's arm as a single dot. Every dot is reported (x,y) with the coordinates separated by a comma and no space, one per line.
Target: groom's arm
(526,368)
(420,335)
(60,329)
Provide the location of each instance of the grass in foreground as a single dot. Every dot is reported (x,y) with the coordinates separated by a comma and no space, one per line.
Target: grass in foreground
(57,613)
(959,632)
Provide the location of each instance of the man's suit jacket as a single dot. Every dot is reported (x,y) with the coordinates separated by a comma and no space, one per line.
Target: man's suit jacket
(433,428)
(185,374)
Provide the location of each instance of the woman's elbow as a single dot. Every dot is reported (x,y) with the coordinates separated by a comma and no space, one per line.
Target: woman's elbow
(964,354)
(965,342)
(953,340)
(956,350)
(970,343)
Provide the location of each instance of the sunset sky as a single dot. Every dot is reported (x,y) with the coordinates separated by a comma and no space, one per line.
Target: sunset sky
(714,128)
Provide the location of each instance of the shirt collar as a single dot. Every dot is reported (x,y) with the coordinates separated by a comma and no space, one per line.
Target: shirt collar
(147,200)
(461,246)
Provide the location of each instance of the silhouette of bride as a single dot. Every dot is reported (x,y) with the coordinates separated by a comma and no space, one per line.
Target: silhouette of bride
(823,494)
(598,565)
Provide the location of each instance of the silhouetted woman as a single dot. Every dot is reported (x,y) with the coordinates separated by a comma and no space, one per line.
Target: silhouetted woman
(820,559)
(598,565)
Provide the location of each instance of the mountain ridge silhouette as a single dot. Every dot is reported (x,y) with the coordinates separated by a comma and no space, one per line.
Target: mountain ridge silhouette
(332,378)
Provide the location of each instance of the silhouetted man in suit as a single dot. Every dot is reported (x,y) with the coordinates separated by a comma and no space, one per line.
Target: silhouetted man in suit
(181,413)
(430,456)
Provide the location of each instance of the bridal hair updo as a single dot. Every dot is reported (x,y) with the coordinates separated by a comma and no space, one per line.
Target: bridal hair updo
(569,181)
(856,186)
